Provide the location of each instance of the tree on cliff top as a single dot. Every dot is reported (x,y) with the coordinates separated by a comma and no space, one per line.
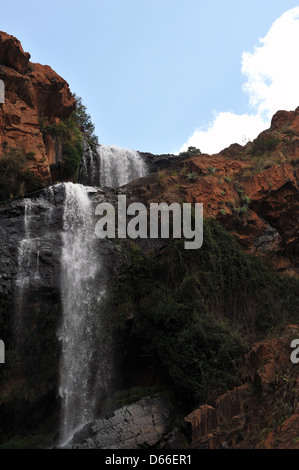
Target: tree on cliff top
(84,122)
(191,152)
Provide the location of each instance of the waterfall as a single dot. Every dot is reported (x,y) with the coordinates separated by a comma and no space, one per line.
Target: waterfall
(111,166)
(58,237)
(85,362)
(28,272)
(62,266)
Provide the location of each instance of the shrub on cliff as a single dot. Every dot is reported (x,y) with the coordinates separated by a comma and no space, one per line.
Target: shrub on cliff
(191,152)
(72,154)
(16,179)
(263,144)
(70,136)
(70,132)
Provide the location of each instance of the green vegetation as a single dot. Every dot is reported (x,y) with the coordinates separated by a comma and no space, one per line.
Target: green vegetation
(70,132)
(191,177)
(280,399)
(41,437)
(70,136)
(196,312)
(16,179)
(83,121)
(29,441)
(263,144)
(191,152)
(287,130)
(246,200)
(161,175)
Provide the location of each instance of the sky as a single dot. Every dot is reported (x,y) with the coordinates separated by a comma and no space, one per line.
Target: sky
(161,75)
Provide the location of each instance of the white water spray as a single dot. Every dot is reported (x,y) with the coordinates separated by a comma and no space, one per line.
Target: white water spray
(84,373)
(120,166)
(28,270)
(111,166)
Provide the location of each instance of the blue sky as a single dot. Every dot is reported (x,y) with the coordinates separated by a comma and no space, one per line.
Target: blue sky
(156,75)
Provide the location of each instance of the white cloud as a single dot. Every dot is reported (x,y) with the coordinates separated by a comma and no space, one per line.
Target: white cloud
(227,128)
(272,72)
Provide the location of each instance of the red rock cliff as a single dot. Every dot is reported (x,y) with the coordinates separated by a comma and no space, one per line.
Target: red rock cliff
(263,412)
(251,190)
(32,91)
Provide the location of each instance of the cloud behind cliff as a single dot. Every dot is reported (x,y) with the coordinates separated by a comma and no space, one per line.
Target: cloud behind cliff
(272,77)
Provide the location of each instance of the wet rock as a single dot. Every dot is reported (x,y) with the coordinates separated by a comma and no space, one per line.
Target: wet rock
(143,424)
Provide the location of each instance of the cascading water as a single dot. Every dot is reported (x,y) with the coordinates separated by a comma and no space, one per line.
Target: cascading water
(119,166)
(111,166)
(86,359)
(28,270)
(86,363)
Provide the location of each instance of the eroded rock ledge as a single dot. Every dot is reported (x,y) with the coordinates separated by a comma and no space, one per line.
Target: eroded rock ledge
(143,424)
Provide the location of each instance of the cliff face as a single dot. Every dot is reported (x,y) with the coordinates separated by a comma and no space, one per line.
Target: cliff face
(32,92)
(263,412)
(251,190)
(31,233)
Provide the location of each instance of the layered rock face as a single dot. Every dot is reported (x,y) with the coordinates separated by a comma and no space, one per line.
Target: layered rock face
(141,425)
(32,91)
(30,231)
(261,413)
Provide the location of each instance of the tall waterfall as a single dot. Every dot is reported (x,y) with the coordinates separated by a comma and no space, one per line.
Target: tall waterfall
(86,363)
(111,166)
(84,369)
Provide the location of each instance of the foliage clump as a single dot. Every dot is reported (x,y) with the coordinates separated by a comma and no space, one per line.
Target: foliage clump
(191,177)
(197,311)
(16,179)
(84,122)
(191,152)
(263,144)
(71,132)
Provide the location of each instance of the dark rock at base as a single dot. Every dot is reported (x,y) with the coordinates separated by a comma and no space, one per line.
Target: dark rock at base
(143,424)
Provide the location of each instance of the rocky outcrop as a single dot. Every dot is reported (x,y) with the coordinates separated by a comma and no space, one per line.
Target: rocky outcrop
(261,413)
(157,163)
(251,190)
(32,91)
(213,427)
(12,54)
(141,425)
